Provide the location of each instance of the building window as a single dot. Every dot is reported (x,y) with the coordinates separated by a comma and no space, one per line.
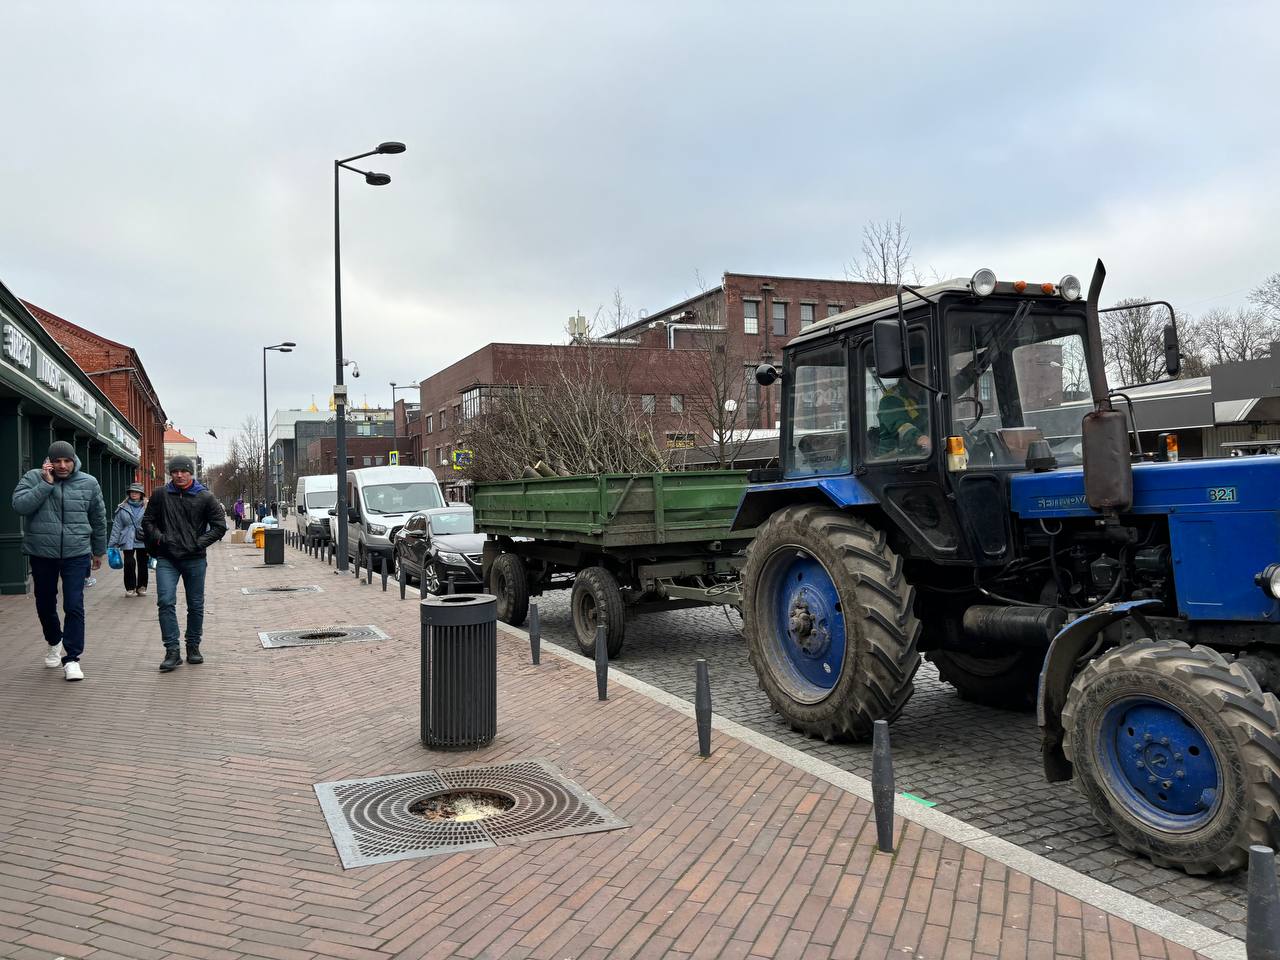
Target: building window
(779,319)
(649,402)
(470,403)
(833,309)
(806,314)
(351,461)
(750,316)
(441,418)
(440,455)
(457,413)
(368,461)
(379,461)
(430,420)
(677,403)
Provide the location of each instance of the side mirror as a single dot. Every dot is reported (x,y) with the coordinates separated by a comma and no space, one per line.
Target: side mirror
(886,340)
(333,511)
(301,508)
(353,515)
(1172,355)
(767,374)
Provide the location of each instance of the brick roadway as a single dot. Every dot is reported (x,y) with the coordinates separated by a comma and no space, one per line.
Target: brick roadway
(978,764)
(147,816)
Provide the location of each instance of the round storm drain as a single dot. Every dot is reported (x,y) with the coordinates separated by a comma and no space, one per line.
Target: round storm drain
(462,806)
(323,635)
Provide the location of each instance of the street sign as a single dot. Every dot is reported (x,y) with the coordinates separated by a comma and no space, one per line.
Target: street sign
(393,458)
(462,459)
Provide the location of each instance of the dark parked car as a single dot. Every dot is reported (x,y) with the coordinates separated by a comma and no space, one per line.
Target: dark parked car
(441,544)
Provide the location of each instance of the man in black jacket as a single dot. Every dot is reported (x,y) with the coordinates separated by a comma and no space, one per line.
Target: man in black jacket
(182,519)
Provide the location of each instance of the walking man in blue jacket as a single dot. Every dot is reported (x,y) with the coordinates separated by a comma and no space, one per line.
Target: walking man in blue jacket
(64,537)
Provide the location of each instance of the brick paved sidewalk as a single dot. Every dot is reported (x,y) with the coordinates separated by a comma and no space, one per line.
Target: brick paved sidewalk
(149,816)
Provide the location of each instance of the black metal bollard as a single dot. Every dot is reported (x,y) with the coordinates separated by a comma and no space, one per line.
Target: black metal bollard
(355,569)
(602,664)
(535,634)
(402,578)
(368,568)
(382,565)
(448,584)
(882,786)
(1262,923)
(702,709)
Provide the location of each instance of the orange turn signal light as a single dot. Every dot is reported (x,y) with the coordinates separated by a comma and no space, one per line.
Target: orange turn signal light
(1047,287)
(1019,285)
(955,446)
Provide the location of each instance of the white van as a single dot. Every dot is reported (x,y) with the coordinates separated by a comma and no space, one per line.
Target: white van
(314,499)
(379,501)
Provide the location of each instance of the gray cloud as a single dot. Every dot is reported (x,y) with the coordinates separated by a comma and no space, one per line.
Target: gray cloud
(168,171)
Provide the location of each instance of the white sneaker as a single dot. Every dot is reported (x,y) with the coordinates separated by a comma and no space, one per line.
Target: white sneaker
(54,657)
(72,671)
(131,593)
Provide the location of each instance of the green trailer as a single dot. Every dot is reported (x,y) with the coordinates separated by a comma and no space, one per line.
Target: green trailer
(625,544)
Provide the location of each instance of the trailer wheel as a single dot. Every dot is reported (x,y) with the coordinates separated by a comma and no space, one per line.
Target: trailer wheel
(828,619)
(1178,752)
(1007,681)
(597,599)
(509,582)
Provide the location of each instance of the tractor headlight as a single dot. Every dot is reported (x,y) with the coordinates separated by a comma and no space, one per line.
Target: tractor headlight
(983,282)
(1269,580)
(1069,287)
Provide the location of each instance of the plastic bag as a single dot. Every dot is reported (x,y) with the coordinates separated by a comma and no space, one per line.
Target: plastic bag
(151,562)
(115,559)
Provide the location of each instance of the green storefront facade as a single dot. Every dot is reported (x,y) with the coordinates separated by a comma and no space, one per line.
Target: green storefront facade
(45,396)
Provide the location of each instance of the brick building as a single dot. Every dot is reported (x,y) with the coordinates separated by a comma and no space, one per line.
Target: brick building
(322,453)
(118,372)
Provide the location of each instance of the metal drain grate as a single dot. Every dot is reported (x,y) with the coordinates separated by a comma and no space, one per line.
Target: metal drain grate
(313,636)
(371,820)
(264,566)
(259,591)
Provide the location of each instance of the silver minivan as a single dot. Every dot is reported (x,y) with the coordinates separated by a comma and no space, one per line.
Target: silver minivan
(379,501)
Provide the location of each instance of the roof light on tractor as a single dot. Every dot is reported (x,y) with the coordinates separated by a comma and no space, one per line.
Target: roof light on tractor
(1069,288)
(983,282)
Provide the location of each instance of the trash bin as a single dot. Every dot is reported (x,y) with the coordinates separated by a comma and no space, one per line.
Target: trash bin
(459,690)
(273,545)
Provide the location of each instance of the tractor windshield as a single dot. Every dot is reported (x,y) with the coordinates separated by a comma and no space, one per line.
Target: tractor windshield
(1018,373)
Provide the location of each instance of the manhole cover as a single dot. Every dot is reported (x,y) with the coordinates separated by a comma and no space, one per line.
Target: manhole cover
(319,635)
(260,591)
(380,819)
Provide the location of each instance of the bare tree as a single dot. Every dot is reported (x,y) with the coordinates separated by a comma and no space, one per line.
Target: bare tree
(241,473)
(1245,333)
(719,410)
(617,314)
(1266,297)
(885,256)
(1133,342)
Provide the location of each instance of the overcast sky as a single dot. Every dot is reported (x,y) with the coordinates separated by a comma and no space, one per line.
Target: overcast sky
(167,168)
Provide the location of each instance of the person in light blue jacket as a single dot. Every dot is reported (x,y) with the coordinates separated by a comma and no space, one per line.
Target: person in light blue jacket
(126,536)
(64,535)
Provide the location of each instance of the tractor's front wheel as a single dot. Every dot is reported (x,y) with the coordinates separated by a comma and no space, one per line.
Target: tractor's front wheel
(827,616)
(1007,680)
(1178,752)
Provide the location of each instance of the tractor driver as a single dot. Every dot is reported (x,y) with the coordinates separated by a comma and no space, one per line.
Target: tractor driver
(903,416)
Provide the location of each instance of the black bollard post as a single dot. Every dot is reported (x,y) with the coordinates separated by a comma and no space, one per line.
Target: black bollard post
(355,569)
(882,786)
(1262,923)
(602,664)
(402,578)
(448,584)
(368,568)
(535,634)
(702,708)
(382,565)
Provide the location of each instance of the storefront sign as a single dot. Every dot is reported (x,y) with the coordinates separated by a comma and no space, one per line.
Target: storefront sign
(17,346)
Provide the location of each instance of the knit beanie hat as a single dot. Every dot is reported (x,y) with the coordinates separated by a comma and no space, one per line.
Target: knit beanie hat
(136,488)
(182,463)
(60,449)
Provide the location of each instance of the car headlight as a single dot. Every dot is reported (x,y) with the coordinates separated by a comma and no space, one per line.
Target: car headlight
(1069,287)
(1269,580)
(447,557)
(983,282)
(377,529)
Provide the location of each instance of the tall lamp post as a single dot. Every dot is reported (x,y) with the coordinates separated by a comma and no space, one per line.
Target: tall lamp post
(286,347)
(339,390)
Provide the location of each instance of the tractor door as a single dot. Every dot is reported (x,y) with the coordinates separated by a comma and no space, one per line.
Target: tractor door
(897,440)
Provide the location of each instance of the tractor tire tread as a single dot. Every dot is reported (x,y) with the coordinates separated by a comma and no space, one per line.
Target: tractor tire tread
(513,603)
(604,588)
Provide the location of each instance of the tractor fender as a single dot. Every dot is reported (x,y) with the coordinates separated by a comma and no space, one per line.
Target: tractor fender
(761,500)
(1059,670)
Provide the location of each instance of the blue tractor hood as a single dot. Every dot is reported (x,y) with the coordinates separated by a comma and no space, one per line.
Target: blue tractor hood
(1224,526)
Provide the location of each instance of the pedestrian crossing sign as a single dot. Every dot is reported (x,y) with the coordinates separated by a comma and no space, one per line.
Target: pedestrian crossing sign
(462,459)
(393,458)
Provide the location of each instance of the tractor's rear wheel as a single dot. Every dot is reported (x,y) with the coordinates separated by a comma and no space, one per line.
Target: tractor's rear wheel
(596,601)
(1178,752)
(1007,681)
(509,582)
(827,616)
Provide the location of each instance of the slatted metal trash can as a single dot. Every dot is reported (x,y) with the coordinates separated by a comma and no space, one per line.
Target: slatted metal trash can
(273,545)
(459,671)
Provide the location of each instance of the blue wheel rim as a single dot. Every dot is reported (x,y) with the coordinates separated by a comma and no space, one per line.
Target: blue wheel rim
(805,647)
(1159,764)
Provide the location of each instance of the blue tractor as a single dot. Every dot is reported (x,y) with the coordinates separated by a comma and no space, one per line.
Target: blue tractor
(958,482)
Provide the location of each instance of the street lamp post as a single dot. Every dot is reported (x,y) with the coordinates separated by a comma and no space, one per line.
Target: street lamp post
(286,347)
(340,391)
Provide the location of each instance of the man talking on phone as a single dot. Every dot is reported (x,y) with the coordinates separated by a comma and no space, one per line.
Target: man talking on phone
(64,537)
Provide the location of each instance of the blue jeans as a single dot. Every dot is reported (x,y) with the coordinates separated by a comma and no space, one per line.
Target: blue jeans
(45,573)
(191,570)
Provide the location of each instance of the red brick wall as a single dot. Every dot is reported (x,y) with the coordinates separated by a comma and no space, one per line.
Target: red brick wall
(322,453)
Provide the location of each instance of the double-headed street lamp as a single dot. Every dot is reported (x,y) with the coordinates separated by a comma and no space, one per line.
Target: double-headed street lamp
(340,391)
(286,347)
